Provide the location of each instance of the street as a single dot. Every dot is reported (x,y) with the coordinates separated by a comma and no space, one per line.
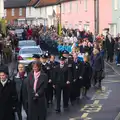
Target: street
(101,105)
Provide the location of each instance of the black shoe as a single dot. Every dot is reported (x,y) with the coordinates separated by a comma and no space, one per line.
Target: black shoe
(58,110)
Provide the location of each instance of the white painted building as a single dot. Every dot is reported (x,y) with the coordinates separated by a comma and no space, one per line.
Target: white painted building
(45,15)
(1,8)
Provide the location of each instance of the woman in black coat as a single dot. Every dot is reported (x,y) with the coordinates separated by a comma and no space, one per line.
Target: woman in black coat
(36,87)
(8,96)
(20,82)
(97,64)
(87,74)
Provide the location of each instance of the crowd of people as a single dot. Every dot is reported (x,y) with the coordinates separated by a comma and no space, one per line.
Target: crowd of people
(41,83)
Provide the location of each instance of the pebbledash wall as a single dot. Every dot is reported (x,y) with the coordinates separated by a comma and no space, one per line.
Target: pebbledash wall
(80,14)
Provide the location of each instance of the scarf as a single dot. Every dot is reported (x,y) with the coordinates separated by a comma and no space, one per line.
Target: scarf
(21,74)
(36,76)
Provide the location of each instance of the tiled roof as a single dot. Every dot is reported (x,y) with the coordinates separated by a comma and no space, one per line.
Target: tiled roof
(46,3)
(15,3)
(32,2)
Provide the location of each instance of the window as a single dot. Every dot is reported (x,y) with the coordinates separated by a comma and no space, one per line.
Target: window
(63,8)
(86,27)
(70,6)
(113,29)
(5,12)
(13,12)
(29,10)
(77,2)
(85,4)
(20,11)
(115,4)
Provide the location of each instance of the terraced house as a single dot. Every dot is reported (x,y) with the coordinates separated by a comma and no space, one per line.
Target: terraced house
(15,11)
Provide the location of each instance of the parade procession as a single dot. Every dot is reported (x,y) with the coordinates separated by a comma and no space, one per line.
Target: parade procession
(50,70)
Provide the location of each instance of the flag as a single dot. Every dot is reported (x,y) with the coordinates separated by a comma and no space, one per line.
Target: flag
(59,29)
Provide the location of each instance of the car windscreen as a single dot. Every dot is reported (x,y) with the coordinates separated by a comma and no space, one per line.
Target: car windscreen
(27,44)
(30,51)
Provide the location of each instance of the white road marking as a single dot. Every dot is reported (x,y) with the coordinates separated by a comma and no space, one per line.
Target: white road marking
(118,116)
(112,68)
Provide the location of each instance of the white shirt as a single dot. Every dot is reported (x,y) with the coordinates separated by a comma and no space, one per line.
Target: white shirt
(3,82)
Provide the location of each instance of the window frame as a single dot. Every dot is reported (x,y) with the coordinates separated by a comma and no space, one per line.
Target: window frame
(86,5)
(20,11)
(13,12)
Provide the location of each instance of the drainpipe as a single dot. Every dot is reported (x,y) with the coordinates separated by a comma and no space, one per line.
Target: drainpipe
(96,16)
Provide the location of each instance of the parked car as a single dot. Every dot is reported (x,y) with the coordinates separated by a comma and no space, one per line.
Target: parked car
(19,32)
(23,44)
(26,54)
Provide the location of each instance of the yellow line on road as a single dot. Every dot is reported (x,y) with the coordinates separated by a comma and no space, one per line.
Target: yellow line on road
(96,102)
(84,115)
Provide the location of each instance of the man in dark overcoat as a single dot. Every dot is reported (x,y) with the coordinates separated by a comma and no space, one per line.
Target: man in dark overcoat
(8,96)
(62,83)
(110,47)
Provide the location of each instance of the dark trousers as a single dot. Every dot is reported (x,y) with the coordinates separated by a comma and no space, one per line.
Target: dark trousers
(110,56)
(97,77)
(19,109)
(49,93)
(73,92)
(78,86)
(66,91)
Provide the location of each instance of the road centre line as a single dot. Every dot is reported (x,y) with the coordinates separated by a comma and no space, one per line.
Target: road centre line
(84,115)
(96,102)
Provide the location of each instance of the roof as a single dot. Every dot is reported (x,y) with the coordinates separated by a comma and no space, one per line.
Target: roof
(32,2)
(47,3)
(15,3)
(61,1)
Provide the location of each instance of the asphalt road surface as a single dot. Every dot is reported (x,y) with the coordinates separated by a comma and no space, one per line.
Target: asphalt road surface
(102,104)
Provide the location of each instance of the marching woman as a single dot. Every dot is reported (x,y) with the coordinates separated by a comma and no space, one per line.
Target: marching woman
(8,96)
(36,87)
(87,74)
(21,88)
(97,67)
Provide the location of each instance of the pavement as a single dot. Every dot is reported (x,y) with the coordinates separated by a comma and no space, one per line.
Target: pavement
(102,104)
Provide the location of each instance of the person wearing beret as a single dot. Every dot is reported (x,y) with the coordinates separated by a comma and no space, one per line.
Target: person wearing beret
(62,83)
(8,96)
(36,57)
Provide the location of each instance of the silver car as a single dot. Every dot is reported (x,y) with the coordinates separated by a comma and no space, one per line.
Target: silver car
(26,54)
(24,43)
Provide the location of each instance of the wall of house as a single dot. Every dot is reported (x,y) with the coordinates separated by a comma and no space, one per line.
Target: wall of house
(16,16)
(45,15)
(105,14)
(78,14)
(115,16)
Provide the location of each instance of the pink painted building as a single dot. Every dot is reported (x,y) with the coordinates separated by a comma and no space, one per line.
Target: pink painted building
(81,14)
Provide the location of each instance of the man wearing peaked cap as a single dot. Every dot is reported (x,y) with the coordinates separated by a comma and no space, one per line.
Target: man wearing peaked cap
(62,83)
(35,57)
(46,67)
(8,95)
